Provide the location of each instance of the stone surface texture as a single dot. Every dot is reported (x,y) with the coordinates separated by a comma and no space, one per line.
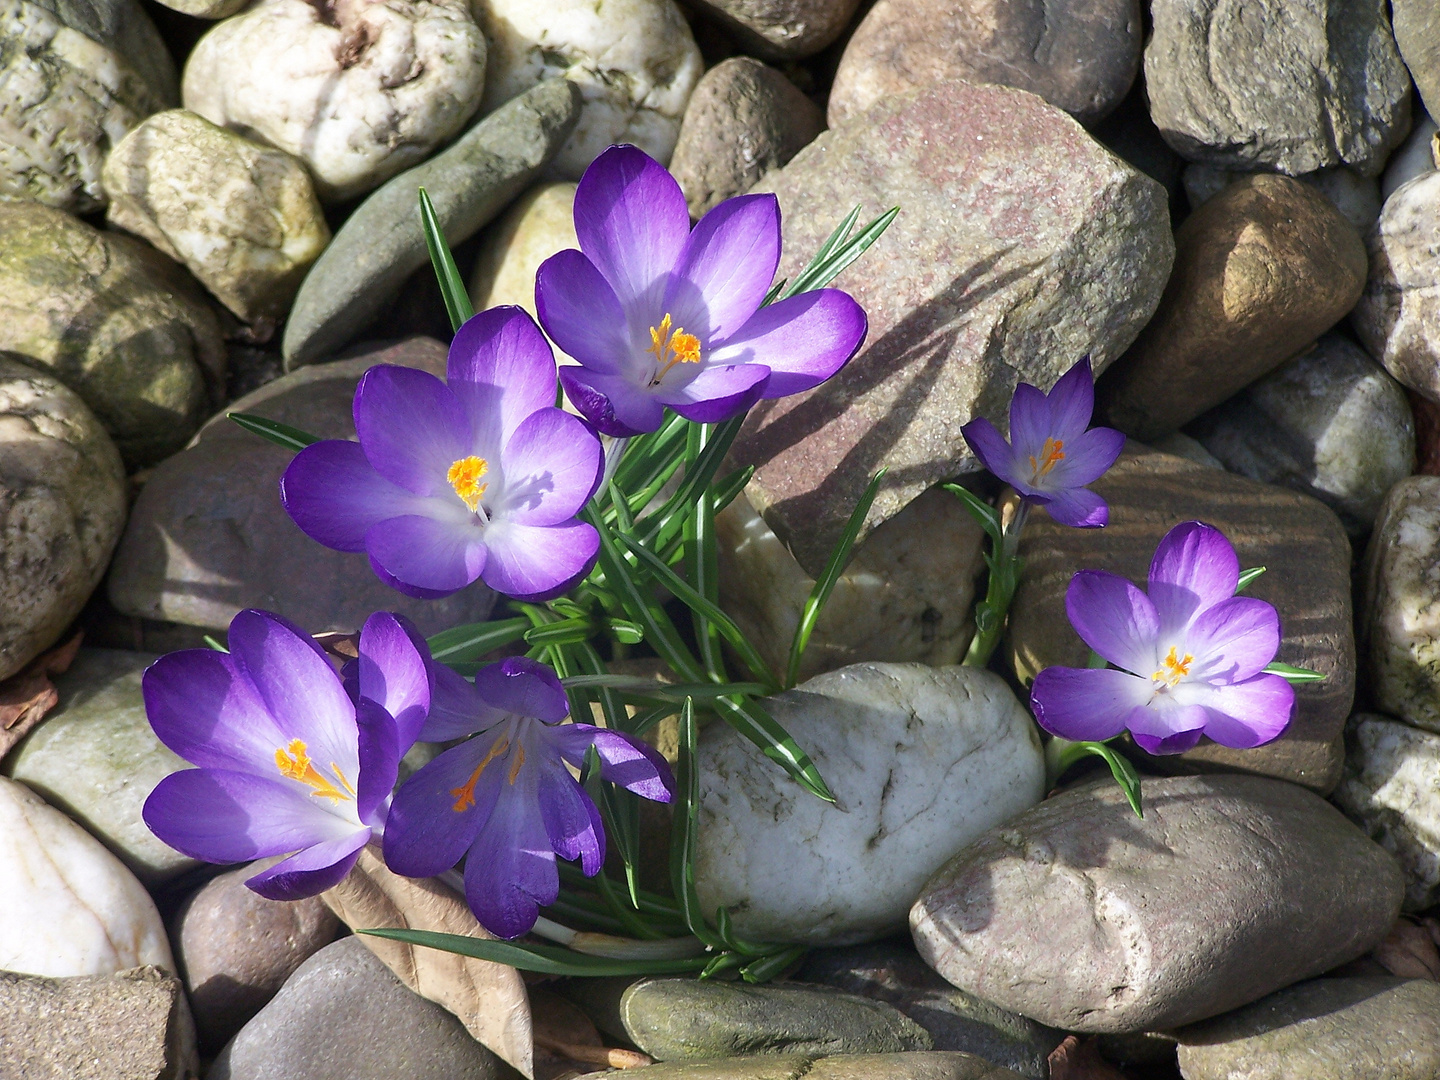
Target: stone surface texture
(1398,317)
(1400,605)
(1080,57)
(915,1065)
(96,758)
(1392,788)
(358,89)
(208,536)
(1261,270)
(922,760)
(62,507)
(1415,157)
(905,595)
(71,907)
(65,100)
(344,1016)
(537,225)
(1294,85)
(1021,246)
(123,27)
(1331,423)
(116,322)
(381,244)
(1417,33)
(781,29)
(235,949)
(1230,887)
(1325,1029)
(1308,580)
(743,120)
(241,217)
(1356,197)
(133,1025)
(634,62)
(679,1019)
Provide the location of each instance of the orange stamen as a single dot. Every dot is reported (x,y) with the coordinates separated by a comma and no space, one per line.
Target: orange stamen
(293,761)
(672,348)
(1052,453)
(464,795)
(1172,669)
(464,476)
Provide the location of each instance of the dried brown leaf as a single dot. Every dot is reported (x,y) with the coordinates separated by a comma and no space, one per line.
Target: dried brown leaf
(28,695)
(489,998)
(1410,952)
(1077,1059)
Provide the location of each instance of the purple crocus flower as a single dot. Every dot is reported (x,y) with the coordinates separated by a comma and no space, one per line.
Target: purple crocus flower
(1051,456)
(659,315)
(480,478)
(505,797)
(1192,654)
(288,761)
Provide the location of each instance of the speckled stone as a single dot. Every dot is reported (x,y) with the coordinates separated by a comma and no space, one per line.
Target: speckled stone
(1356,197)
(1230,887)
(781,29)
(1400,605)
(1417,33)
(914,1065)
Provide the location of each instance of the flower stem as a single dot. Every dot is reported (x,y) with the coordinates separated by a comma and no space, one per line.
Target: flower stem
(991,612)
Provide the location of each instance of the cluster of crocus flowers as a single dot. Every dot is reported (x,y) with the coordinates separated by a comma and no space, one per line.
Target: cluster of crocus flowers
(1189,655)
(659,315)
(479,476)
(289,761)
(504,800)
(1053,452)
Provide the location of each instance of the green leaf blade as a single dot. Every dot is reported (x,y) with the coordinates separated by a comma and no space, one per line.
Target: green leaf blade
(291,438)
(452,287)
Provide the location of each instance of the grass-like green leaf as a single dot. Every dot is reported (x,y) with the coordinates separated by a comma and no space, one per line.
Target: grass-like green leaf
(1246,577)
(683,829)
(666,522)
(768,967)
(728,488)
(291,438)
(474,640)
(210,641)
(1296,675)
(1120,768)
(750,719)
(825,584)
(452,287)
(532,956)
(985,515)
(835,255)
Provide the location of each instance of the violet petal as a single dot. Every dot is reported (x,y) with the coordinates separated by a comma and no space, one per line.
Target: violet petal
(1114,618)
(551,466)
(411,427)
(523,687)
(330,490)
(537,563)
(726,267)
(803,340)
(312,871)
(1086,704)
(442,556)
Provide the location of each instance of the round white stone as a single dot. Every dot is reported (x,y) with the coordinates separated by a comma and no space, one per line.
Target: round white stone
(921,760)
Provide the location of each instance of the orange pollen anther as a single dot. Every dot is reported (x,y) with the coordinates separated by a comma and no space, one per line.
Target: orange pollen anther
(1052,453)
(464,477)
(293,761)
(672,348)
(1172,668)
(464,795)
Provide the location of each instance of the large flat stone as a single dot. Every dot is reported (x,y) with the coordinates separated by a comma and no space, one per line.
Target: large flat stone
(1021,245)
(1297,538)
(912,1065)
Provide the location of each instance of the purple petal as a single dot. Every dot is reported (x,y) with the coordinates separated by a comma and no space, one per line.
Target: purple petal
(1114,618)
(716,393)
(1168,726)
(572,822)
(510,871)
(1169,744)
(614,404)
(380,753)
(1072,403)
(395,583)
(456,709)
(551,466)
(1029,422)
(312,871)
(625,760)
(1087,458)
(394,672)
(993,452)
(441,556)
(223,816)
(532,562)
(300,688)
(501,370)
(726,267)
(438,811)
(1086,704)
(411,427)
(631,221)
(203,707)
(1245,714)
(330,490)
(803,340)
(523,687)
(1079,508)
(581,313)
(1194,568)
(1233,640)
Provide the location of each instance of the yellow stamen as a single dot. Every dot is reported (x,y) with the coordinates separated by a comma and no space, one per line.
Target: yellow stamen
(672,348)
(294,763)
(1172,668)
(1052,453)
(464,477)
(465,794)
(515,765)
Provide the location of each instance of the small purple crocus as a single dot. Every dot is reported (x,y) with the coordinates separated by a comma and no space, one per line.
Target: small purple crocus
(658,315)
(505,797)
(288,761)
(1191,654)
(478,478)
(1051,456)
